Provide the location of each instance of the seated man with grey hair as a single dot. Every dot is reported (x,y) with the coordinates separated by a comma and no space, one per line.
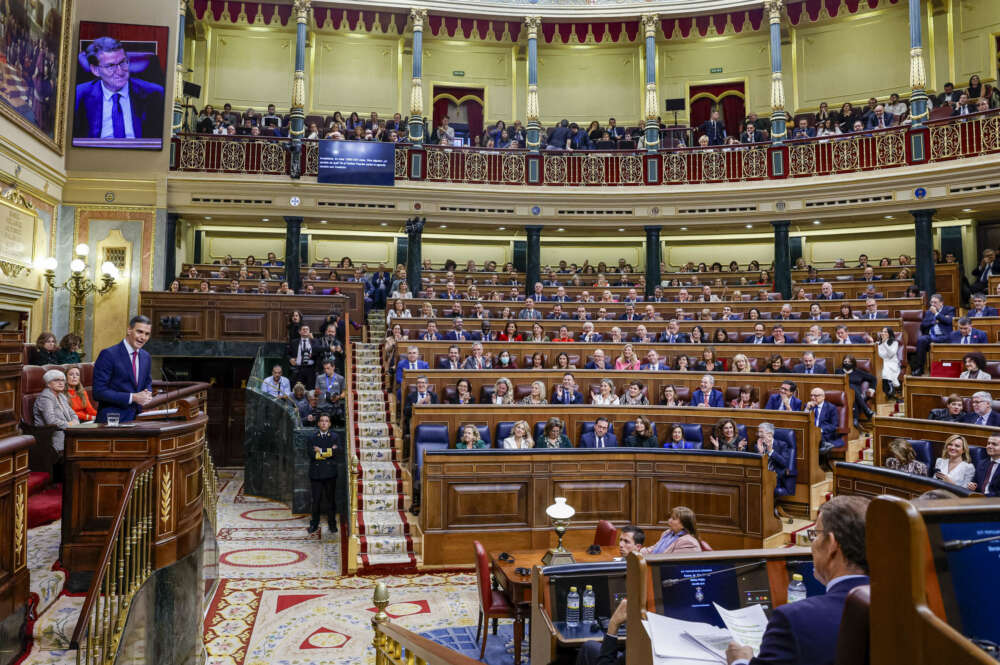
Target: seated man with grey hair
(52,408)
(982,410)
(780,458)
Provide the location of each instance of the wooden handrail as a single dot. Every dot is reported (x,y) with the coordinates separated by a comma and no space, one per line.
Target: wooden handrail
(418,649)
(110,545)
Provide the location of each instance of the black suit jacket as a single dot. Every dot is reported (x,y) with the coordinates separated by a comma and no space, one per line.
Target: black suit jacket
(146,103)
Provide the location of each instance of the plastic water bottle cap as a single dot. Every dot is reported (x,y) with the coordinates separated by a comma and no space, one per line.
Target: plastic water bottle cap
(589,588)
(572,589)
(797,577)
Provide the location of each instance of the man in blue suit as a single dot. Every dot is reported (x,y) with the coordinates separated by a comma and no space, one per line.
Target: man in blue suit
(707,395)
(431,334)
(982,411)
(653,362)
(785,399)
(566,392)
(780,458)
(758,336)
(824,416)
(980,308)
(114,105)
(601,437)
(122,379)
(934,327)
(966,334)
(672,334)
(713,129)
(987,478)
(878,118)
(411,361)
(871,311)
(458,333)
(807,631)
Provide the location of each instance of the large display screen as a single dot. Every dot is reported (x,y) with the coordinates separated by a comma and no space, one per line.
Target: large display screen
(686,591)
(120,76)
(357,163)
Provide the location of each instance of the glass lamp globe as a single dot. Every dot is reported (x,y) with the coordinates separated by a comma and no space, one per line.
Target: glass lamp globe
(77,265)
(560,513)
(50,263)
(110,269)
(82,249)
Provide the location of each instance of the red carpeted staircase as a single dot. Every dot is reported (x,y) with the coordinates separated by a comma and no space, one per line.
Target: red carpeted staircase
(44,499)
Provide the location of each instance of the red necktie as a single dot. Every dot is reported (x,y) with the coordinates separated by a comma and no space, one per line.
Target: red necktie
(135,366)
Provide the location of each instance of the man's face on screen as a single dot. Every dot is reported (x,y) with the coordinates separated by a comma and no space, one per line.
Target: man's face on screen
(112,69)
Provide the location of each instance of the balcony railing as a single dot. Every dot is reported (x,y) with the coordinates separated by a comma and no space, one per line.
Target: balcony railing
(942,140)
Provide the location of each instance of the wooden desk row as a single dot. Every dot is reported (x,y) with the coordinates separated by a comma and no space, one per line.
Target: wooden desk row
(872,481)
(935,431)
(221,317)
(810,482)
(955,352)
(352,291)
(923,393)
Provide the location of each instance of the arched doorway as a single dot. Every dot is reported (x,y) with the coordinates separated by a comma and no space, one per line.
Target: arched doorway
(728,98)
(463,106)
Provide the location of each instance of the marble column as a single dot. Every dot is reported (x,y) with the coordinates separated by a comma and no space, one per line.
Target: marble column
(533,129)
(175,126)
(416,122)
(297,115)
(652,258)
(778,130)
(534,258)
(923,234)
(293,252)
(170,250)
(649,24)
(919,108)
(782,260)
(414,258)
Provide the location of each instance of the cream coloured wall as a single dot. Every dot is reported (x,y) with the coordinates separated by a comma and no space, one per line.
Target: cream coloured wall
(633,251)
(216,244)
(371,251)
(977,24)
(487,65)
(250,67)
(353,74)
(461,251)
(589,82)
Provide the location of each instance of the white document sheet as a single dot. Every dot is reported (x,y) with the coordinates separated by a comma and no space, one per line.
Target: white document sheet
(673,646)
(747,625)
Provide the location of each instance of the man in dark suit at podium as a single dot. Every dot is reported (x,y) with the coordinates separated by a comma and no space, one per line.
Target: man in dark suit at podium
(807,631)
(122,379)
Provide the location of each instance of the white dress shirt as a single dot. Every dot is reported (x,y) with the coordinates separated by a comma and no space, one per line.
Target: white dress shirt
(107,125)
(961,475)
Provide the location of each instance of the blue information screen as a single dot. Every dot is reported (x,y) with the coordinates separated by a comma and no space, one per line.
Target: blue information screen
(357,163)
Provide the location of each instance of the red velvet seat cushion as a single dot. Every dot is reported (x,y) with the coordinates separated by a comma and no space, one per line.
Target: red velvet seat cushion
(498,603)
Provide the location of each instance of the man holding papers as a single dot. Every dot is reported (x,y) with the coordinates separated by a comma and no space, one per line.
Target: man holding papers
(805,632)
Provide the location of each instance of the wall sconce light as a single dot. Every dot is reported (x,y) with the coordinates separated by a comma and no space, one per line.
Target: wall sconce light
(78,284)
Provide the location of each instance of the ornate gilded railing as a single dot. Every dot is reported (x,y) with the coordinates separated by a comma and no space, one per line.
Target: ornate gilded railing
(941,140)
(210,484)
(126,562)
(398,646)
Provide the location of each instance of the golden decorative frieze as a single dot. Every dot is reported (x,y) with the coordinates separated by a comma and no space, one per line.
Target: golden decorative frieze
(533,24)
(302,10)
(19,530)
(649,22)
(166,495)
(417,17)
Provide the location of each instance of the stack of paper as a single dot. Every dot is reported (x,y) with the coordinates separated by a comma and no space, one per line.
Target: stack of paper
(677,642)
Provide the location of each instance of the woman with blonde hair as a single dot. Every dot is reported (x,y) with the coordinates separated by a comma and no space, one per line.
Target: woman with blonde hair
(470,439)
(606,394)
(627,360)
(537,395)
(503,392)
(955,465)
(519,438)
(78,399)
(740,364)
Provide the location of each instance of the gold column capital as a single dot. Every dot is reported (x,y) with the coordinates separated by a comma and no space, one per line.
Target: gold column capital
(649,24)
(182,7)
(773,9)
(533,23)
(301,10)
(418,15)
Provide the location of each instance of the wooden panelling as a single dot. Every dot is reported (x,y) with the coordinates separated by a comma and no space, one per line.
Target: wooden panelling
(935,431)
(872,481)
(923,393)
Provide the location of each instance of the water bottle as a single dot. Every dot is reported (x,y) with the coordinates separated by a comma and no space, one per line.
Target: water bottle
(588,605)
(572,608)
(796,589)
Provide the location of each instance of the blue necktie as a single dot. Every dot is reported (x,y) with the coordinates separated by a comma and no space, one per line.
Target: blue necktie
(117,117)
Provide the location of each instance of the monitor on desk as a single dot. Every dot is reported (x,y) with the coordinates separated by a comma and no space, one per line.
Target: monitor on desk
(607,580)
(966,551)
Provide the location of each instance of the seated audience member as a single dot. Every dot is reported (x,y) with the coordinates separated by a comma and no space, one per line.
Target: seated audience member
(411,361)
(563,335)
(888,350)
(987,478)
(975,365)
(934,327)
(758,336)
(52,408)
(871,310)
(601,437)
(745,399)
(599,361)
(470,440)
(966,334)
(668,396)
(824,417)
(566,392)
(454,359)
(422,395)
(78,399)
(675,439)
(562,361)
(537,334)
(955,465)
(672,334)
(529,311)
(806,631)
(463,393)
(477,360)
(631,539)
(706,394)
(537,361)
(519,438)
(780,459)
(653,362)
(505,360)
(627,360)
(855,377)
(682,363)
(553,436)
(741,364)
(45,351)
(953,411)
(510,333)
(276,385)
(725,436)
(680,536)
(633,395)
(642,436)
(980,308)
(982,410)
(503,392)
(605,394)
(69,352)
(536,396)
(709,362)
(776,365)
(808,365)
(458,332)
(903,458)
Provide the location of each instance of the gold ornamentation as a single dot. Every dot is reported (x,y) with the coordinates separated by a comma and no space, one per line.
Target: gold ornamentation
(233,155)
(416,97)
(16,198)
(630,169)
(192,155)
(513,168)
(991,133)
(301,10)
(182,7)
(802,159)
(777,92)
(555,170)
(773,9)
(945,141)
(593,170)
(675,167)
(889,149)
(438,165)
(649,24)
(417,16)
(533,23)
(401,154)
(846,156)
(531,104)
(166,485)
(918,77)
(12,269)
(652,103)
(312,159)
(19,525)
(713,165)
(475,167)
(272,158)
(754,163)
(299,89)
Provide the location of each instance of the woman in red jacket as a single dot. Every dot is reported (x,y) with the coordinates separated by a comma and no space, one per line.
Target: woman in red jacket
(78,399)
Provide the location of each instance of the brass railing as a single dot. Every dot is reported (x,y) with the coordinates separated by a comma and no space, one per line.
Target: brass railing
(398,646)
(125,564)
(210,488)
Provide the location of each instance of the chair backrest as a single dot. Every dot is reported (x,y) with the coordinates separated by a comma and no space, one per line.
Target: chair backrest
(853,640)
(503,430)
(839,400)
(606,534)
(977,454)
(484,433)
(924,451)
(31,386)
(788,436)
(482,574)
(693,433)
(432,433)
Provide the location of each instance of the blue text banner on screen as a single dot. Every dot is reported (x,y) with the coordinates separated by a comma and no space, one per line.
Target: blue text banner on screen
(357,163)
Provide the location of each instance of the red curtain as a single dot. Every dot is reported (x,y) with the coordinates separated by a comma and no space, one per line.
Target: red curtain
(473,107)
(727,97)
(474,111)
(440,110)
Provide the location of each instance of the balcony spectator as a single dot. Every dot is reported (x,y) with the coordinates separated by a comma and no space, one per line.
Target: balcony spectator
(748,134)
(579,139)
(561,137)
(962,107)
(271,118)
(803,130)
(444,130)
(713,129)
